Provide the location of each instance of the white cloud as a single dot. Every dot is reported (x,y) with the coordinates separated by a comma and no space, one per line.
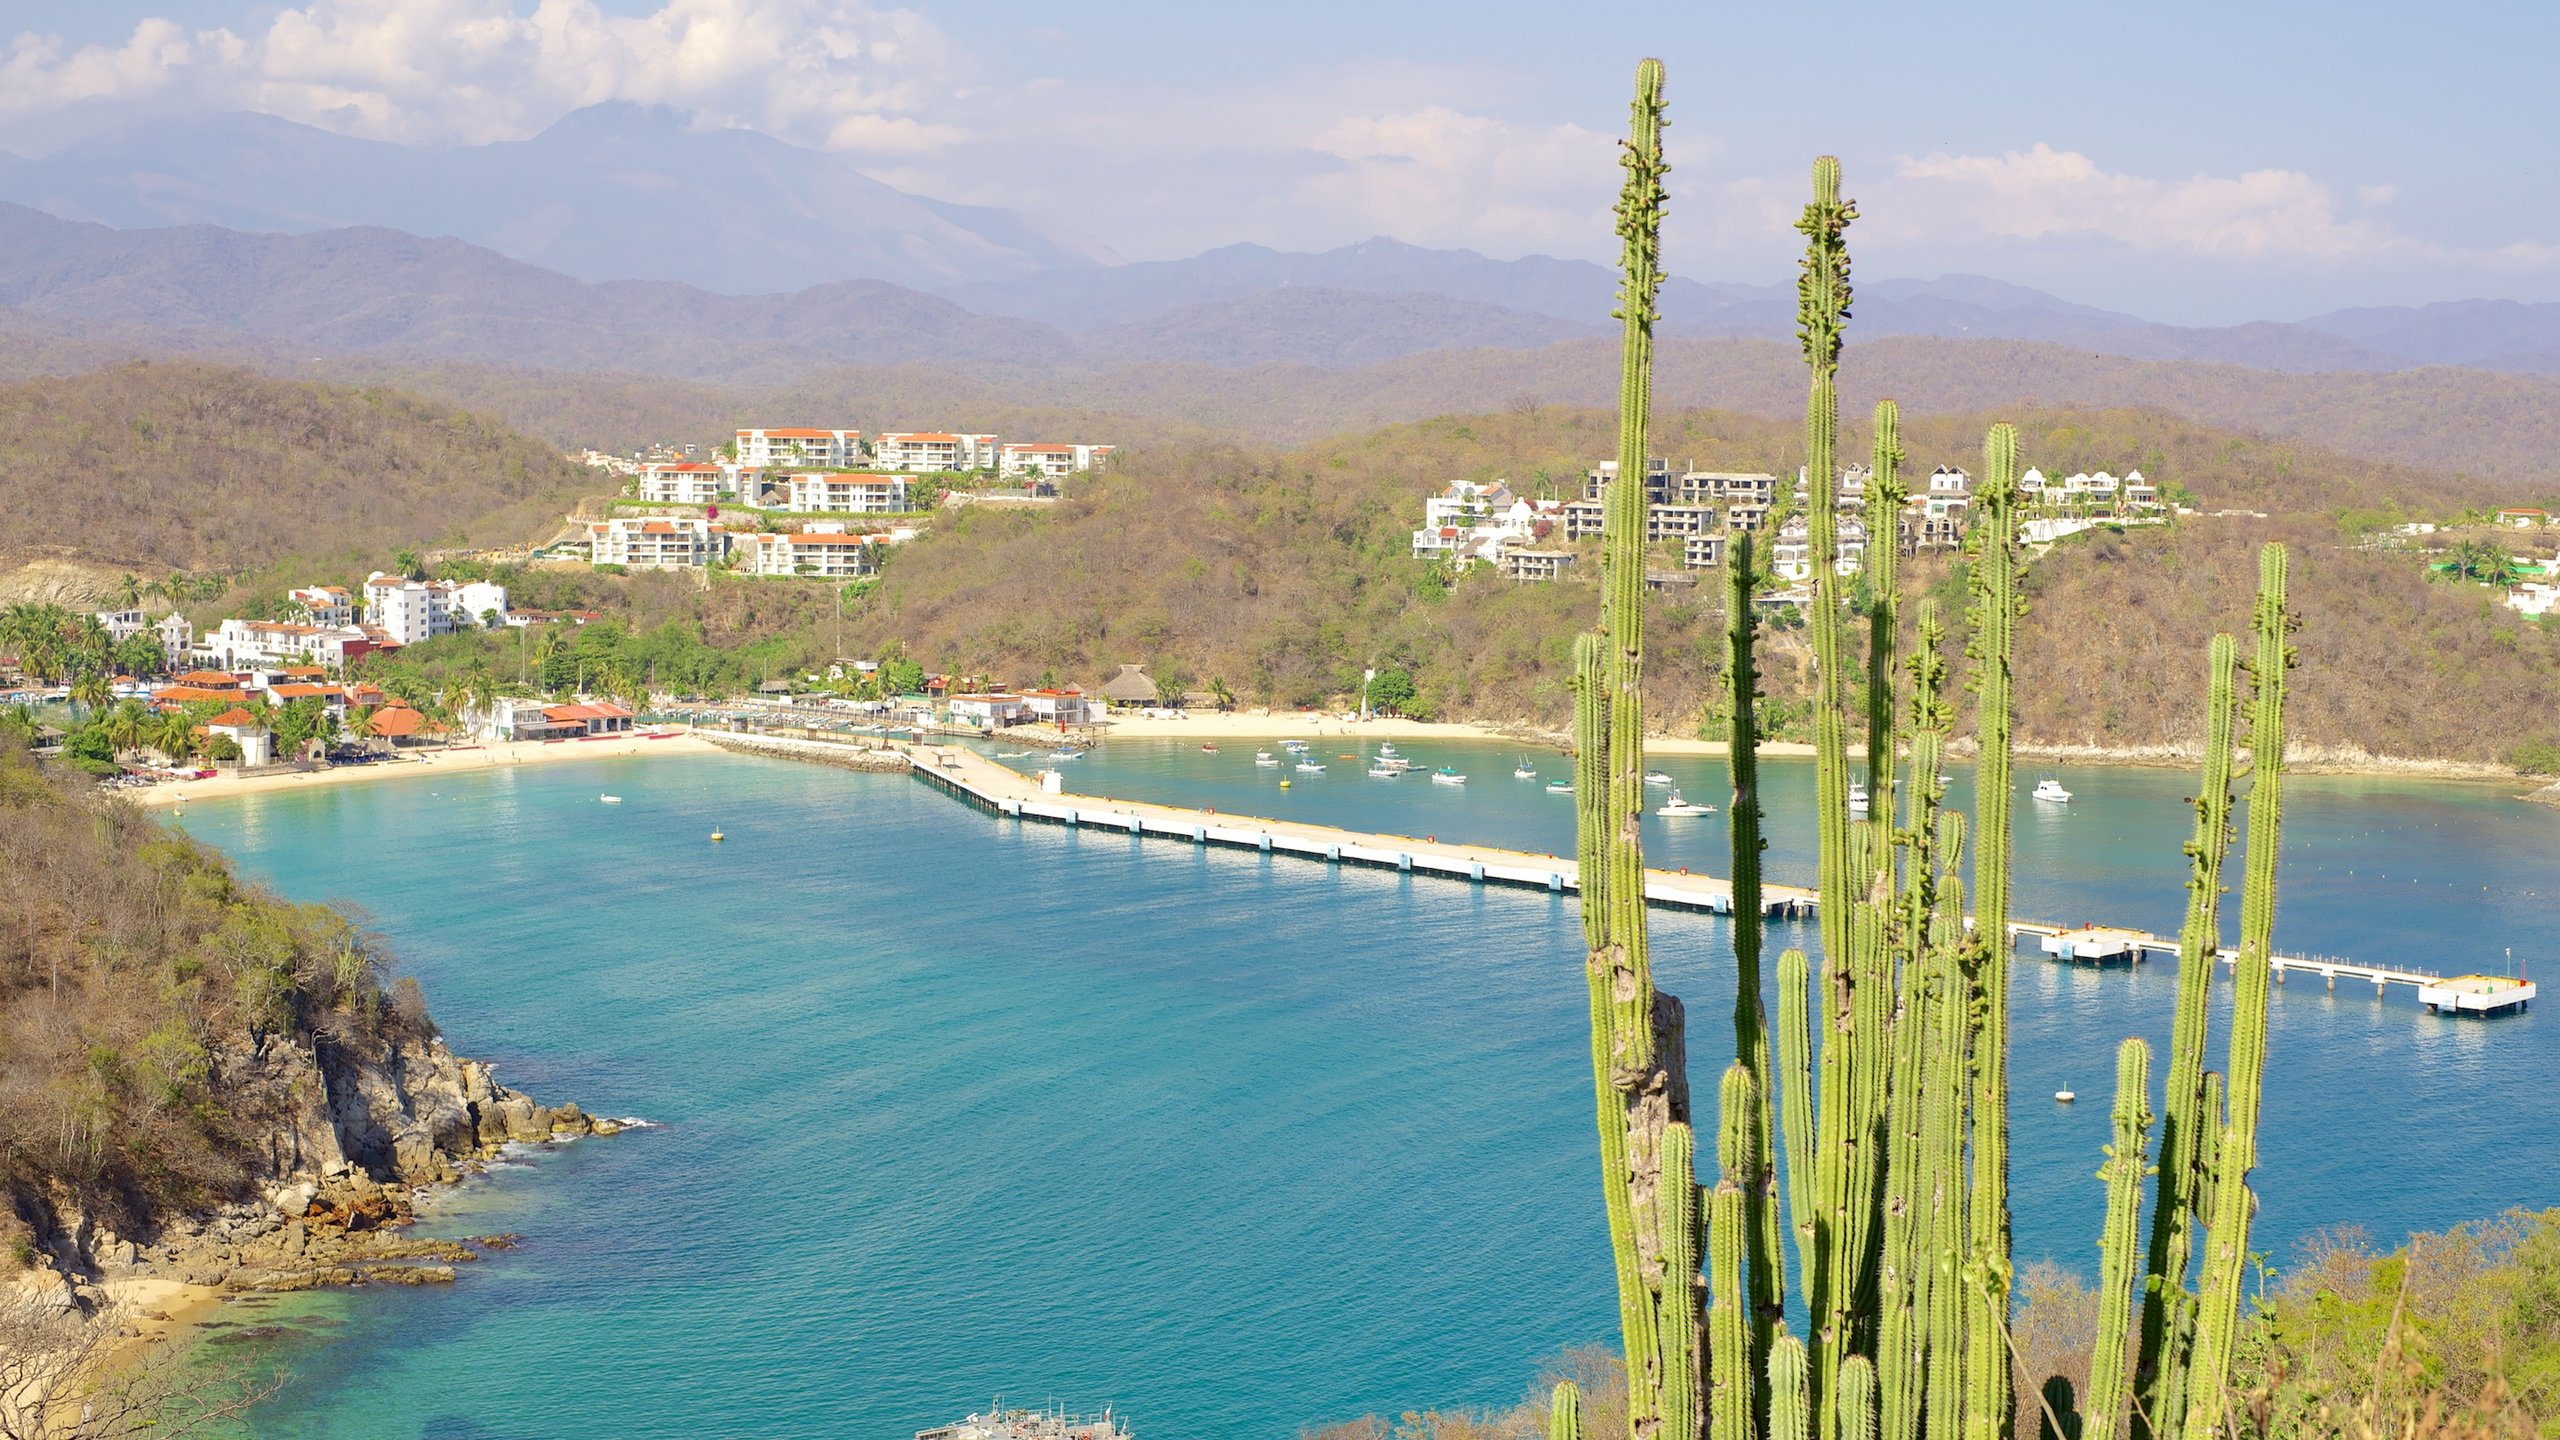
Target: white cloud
(1440,176)
(2042,194)
(836,73)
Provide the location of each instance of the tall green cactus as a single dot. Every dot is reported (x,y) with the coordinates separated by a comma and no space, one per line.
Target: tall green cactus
(1750,1022)
(1564,1412)
(2110,1389)
(2187,1124)
(1885,496)
(1989,1399)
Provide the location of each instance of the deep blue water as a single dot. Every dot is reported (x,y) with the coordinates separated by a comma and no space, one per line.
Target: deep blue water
(955,1106)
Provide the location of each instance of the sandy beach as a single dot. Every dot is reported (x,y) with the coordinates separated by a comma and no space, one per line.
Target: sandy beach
(430,763)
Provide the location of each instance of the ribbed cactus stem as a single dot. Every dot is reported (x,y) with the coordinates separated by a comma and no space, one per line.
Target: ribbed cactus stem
(1943,1152)
(1857,1408)
(1730,1414)
(1790,1413)
(1796,1124)
(2110,1391)
(1750,1021)
(2185,1125)
(1591,740)
(1564,1412)
(1677,1328)
(2217,1314)
(1885,494)
(1989,1398)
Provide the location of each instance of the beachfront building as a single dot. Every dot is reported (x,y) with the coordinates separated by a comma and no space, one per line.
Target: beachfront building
(656,542)
(246,730)
(278,644)
(511,718)
(934,450)
(988,712)
(696,482)
(1050,705)
(827,554)
(843,494)
(1050,462)
(837,449)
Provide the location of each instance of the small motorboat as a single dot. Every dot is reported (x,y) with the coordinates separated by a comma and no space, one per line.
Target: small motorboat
(1294,747)
(1656,777)
(611,799)
(1524,771)
(1559,787)
(1387,749)
(1677,807)
(1858,802)
(1266,759)
(1384,771)
(1310,766)
(2050,789)
(1066,754)
(1447,776)
(1210,749)
(1013,754)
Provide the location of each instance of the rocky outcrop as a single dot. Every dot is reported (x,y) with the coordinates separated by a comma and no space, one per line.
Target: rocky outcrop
(342,1135)
(842,755)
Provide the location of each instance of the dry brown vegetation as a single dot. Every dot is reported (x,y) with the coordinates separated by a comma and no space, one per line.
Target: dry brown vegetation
(131,959)
(181,466)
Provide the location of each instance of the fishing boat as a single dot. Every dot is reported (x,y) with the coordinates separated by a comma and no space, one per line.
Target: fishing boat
(1524,771)
(2050,789)
(1310,766)
(611,799)
(1266,759)
(1676,806)
(1559,787)
(1385,771)
(1656,777)
(1445,775)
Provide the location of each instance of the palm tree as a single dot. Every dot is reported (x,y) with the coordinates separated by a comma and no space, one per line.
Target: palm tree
(127,726)
(162,589)
(139,654)
(91,692)
(129,591)
(1219,692)
(173,734)
(406,562)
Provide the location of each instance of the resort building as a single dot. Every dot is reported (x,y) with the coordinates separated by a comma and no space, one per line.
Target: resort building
(278,644)
(1050,706)
(841,494)
(324,604)
(933,450)
(695,482)
(1657,479)
(408,612)
(777,448)
(1536,564)
(516,719)
(988,712)
(176,636)
(1050,462)
(658,542)
(1702,552)
(818,554)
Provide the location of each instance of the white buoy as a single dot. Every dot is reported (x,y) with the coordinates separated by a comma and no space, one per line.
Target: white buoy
(2065,1096)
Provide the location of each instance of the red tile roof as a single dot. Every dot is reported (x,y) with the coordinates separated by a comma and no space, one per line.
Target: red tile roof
(235,716)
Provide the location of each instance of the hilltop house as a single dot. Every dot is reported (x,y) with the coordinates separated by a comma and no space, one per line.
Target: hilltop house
(934,450)
(822,552)
(842,494)
(1050,462)
(657,542)
(834,448)
(324,604)
(697,482)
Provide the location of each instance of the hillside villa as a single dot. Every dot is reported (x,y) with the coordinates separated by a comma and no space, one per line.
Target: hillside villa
(836,449)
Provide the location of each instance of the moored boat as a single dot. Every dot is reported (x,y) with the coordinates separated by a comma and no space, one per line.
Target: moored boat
(1447,775)
(1656,777)
(2050,790)
(1678,807)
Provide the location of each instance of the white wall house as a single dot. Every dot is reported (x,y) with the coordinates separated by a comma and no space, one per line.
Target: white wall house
(696,482)
(273,644)
(404,610)
(325,604)
(988,712)
(656,542)
(822,555)
(841,494)
(933,450)
(777,448)
(1052,462)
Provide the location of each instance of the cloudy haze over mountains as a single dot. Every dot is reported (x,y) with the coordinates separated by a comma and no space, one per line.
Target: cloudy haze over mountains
(1009,155)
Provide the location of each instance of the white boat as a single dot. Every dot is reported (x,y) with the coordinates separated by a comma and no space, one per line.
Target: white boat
(1676,806)
(1387,749)
(1383,771)
(1397,763)
(2051,789)
(1066,754)
(1266,759)
(611,799)
(1858,802)
(1656,777)
(1559,787)
(1294,747)
(1446,776)
(1524,771)
(1309,766)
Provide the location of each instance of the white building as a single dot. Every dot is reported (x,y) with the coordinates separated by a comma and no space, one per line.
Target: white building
(827,555)
(834,448)
(1468,520)
(408,612)
(2534,597)
(989,712)
(244,729)
(934,450)
(274,644)
(325,604)
(176,636)
(656,542)
(695,482)
(1052,462)
(1060,707)
(842,494)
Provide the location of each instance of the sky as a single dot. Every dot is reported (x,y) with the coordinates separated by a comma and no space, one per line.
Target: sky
(2199,163)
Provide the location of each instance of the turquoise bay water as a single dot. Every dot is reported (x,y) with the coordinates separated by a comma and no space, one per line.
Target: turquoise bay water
(954,1106)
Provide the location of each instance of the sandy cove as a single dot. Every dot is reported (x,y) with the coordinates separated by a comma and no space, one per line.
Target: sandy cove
(430,762)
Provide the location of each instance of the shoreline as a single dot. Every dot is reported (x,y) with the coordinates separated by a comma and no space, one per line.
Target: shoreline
(456,760)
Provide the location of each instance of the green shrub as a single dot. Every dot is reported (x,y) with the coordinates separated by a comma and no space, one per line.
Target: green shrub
(2536,757)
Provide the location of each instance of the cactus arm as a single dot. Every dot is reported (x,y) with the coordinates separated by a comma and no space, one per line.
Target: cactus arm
(1795,1084)
(2185,1124)
(2110,1390)
(1729,1404)
(1857,1383)
(1680,1405)
(1884,615)
(1790,1414)
(1995,580)
(1750,1021)
(1564,1412)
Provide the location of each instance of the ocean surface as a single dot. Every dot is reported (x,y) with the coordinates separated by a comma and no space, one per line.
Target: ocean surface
(950,1107)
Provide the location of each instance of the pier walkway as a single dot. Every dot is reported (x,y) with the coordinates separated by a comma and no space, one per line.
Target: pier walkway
(1004,791)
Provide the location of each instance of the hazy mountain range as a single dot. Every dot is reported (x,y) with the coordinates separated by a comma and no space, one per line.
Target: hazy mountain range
(623,238)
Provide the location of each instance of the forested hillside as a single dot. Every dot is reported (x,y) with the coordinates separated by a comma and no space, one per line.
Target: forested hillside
(156,467)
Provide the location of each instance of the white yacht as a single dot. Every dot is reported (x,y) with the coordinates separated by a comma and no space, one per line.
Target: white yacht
(1266,759)
(1310,766)
(1858,802)
(1677,806)
(1656,777)
(2050,789)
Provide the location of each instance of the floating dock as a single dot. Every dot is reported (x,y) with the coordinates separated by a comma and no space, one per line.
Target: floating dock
(1007,792)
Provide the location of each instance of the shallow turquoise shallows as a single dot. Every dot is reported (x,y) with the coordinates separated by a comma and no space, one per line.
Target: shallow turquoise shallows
(954,1107)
